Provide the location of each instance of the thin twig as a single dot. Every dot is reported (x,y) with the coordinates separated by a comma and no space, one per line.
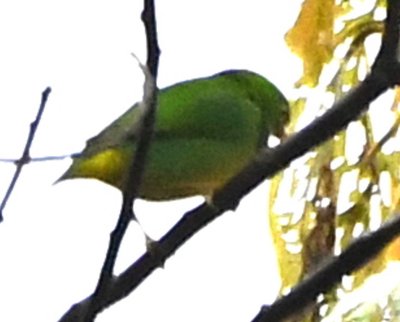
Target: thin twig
(25,158)
(136,170)
(370,153)
(39,159)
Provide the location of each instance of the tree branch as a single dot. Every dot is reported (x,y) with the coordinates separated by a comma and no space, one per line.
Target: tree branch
(360,252)
(87,311)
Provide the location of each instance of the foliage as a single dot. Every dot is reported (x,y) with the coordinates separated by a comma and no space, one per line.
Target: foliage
(350,184)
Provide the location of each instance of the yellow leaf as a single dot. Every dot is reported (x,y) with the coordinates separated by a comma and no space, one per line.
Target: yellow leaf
(311,38)
(393,250)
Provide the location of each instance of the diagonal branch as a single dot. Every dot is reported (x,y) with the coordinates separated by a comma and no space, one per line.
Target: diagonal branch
(25,158)
(360,252)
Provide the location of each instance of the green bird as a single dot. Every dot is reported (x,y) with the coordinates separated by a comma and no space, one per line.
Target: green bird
(206,131)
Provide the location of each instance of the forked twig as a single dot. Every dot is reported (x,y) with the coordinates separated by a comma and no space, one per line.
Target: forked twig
(25,158)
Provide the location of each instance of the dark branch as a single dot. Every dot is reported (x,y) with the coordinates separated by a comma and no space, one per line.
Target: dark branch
(150,25)
(388,57)
(360,252)
(25,158)
(123,285)
(89,310)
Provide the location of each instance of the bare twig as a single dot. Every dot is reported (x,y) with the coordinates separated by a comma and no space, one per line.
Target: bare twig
(38,159)
(25,158)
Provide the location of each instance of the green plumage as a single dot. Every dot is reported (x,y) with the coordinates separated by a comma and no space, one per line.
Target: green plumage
(206,130)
